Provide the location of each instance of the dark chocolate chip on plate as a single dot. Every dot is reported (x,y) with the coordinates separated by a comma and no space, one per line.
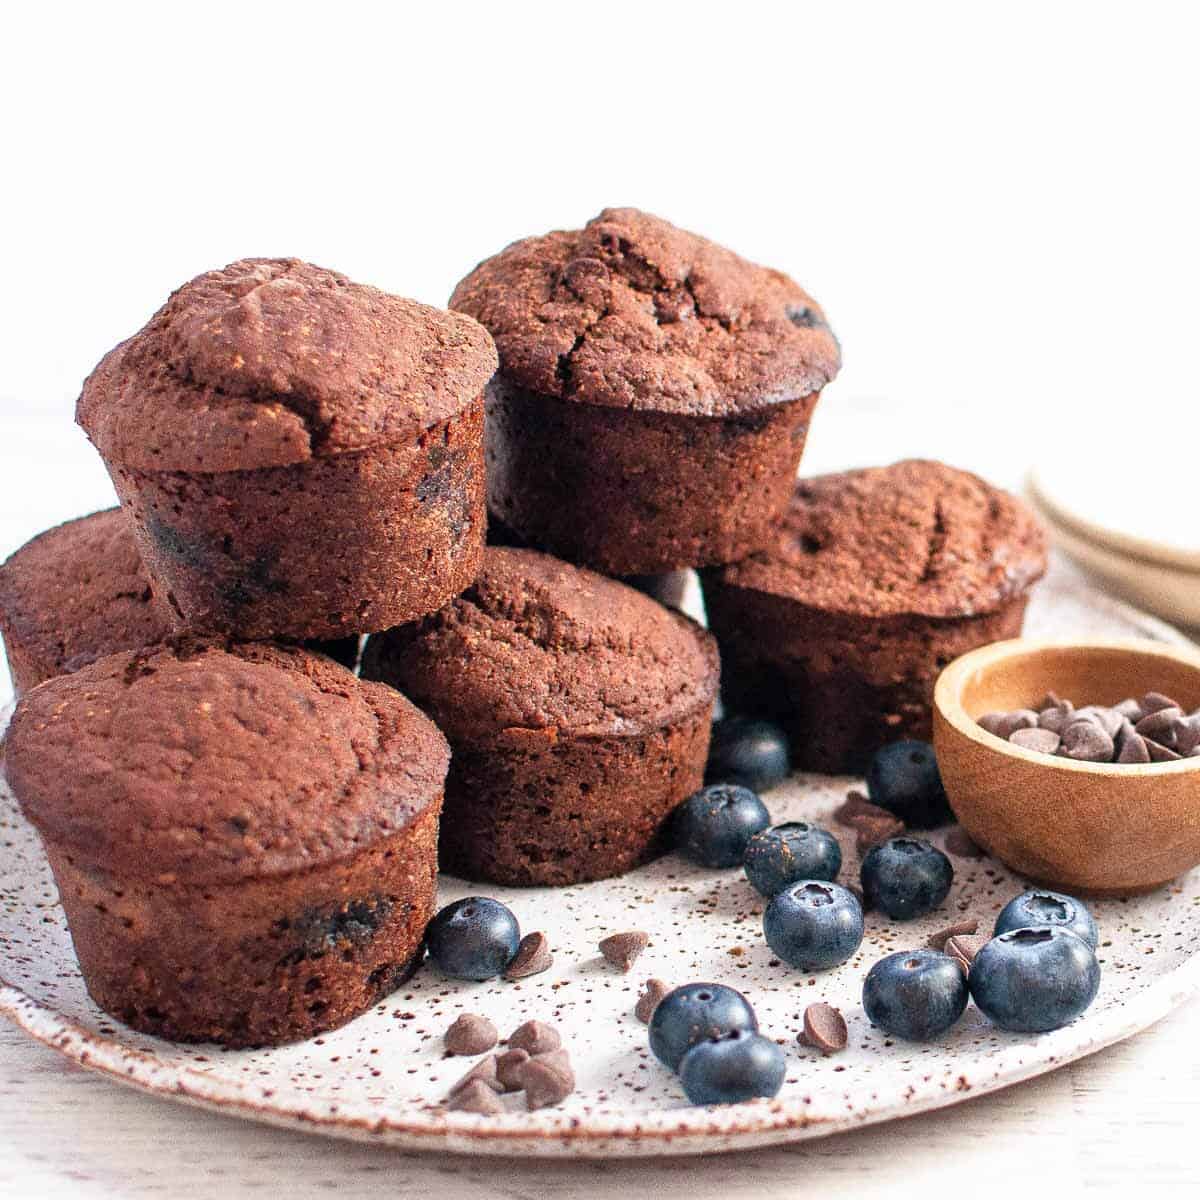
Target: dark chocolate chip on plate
(476,1097)
(653,990)
(824,1029)
(508,1069)
(623,949)
(471,1034)
(535,1037)
(533,956)
(484,1071)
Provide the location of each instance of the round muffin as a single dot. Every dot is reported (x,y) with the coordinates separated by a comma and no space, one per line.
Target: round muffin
(654,393)
(874,581)
(302,456)
(72,595)
(78,591)
(578,711)
(244,838)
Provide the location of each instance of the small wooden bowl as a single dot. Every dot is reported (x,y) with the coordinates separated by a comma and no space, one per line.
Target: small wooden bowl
(1093,828)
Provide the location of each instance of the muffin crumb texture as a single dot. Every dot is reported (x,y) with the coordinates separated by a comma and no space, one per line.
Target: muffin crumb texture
(631,312)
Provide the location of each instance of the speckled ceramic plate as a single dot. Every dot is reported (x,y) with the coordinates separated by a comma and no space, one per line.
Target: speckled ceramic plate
(382,1078)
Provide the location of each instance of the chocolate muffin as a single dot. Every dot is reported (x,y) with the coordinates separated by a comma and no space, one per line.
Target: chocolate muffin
(577,709)
(244,838)
(654,393)
(874,581)
(75,594)
(302,456)
(78,592)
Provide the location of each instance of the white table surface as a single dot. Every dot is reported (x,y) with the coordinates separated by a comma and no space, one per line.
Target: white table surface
(1123,1121)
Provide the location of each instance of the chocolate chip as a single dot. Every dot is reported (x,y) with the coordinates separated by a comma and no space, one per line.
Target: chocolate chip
(1004,724)
(1131,710)
(508,1069)
(1107,718)
(1131,746)
(1162,726)
(1085,741)
(471,1034)
(1161,753)
(476,1097)
(533,956)
(960,843)
(855,806)
(873,830)
(536,1037)
(547,1079)
(623,949)
(1187,735)
(1153,702)
(1056,719)
(484,1071)
(824,1029)
(963,950)
(1043,741)
(653,990)
(937,941)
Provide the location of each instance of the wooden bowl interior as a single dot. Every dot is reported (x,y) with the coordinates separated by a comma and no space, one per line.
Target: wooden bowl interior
(1081,674)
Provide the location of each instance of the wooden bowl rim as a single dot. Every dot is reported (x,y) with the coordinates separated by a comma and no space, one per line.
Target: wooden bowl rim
(947,700)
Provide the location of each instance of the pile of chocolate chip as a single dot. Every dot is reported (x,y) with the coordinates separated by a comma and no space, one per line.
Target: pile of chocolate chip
(1152,729)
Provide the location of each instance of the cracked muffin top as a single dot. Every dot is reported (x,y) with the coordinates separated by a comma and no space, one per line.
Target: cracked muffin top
(199,763)
(630,312)
(916,538)
(541,647)
(78,592)
(272,361)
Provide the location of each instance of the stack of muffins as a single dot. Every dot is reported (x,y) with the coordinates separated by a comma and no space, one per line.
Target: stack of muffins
(245,833)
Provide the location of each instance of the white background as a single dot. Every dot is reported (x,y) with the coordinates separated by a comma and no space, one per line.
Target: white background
(997,205)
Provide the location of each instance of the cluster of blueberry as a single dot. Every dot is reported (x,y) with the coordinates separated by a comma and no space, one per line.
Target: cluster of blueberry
(1038,972)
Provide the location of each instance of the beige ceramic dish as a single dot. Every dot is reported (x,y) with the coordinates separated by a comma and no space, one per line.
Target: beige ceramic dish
(1096,828)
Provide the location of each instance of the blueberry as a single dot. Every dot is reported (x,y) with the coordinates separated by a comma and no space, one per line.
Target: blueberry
(749,752)
(713,826)
(786,853)
(695,1013)
(733,1068)
(1034,980)
(915,994)
(475,938)
(904,778)
(814,925)
(905,877)
(1048,908)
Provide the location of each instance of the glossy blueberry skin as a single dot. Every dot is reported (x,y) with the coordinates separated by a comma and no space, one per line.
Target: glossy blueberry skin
(749,752)
(790,852)
(713,826)
(697,1012)
(814,925)
(915,994)
(1042,908)
(732,1069)
(905,877)
(904,778)
(1034,980)
(474,938)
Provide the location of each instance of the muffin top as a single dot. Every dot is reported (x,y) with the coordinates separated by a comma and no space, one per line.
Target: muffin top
(78,592)
(630,312)
(200,763)
(272,361)
(539,645)
(917,538)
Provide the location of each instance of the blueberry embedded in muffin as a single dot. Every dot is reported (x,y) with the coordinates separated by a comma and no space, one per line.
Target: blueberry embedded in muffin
(244,837)
(654,392)
(578,711)
(301,456)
